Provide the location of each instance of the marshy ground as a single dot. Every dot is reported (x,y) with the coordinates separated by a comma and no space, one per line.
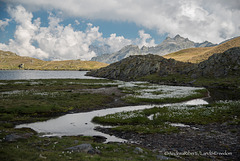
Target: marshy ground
(213,127)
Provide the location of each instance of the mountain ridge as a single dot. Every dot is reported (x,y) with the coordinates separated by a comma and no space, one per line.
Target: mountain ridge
(219,66)
(197,55)
(12,61)
(169,45)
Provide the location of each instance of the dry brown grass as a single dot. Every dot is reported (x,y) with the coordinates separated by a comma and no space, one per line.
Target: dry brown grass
(196,55)
(11,61)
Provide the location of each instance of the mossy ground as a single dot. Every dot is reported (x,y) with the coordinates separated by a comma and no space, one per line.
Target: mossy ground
(36,100)
(54,148)
(138,121)
(177,79)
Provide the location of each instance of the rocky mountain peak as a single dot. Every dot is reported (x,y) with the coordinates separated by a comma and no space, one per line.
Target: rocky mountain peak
(169,45)
(130,46)
(178,37)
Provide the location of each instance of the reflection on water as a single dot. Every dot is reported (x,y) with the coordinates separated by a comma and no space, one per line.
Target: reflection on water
(80,123)
(196,102)
(39,74)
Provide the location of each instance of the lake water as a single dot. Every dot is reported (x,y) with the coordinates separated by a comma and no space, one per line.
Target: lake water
(40,74)
(80,123)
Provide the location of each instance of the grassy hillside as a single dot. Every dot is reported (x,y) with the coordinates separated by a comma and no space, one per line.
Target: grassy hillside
(196,55)
(11,61)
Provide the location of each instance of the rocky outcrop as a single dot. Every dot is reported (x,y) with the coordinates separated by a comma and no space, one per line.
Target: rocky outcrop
(169,45)
(137,66)
(218,65)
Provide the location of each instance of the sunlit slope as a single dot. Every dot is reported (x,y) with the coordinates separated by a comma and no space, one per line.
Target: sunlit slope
(196,55)
(11,61)
(73,65)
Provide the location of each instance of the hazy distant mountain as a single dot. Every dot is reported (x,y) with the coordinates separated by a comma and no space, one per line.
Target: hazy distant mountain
(119,55)
(169,45)
(100,50)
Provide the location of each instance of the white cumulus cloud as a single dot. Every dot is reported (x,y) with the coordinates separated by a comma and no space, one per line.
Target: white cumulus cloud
(199,20)
(116,42)
(59,42)
(145,39)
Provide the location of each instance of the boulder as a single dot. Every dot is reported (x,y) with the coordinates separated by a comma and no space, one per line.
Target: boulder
(15,137)
(86,148)
(138,150)
(161,157)
(99,139)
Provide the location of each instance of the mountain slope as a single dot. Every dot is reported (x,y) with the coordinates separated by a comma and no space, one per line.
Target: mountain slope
(196,55)
(10,61)
(169,45)
(219,70)
(220,65)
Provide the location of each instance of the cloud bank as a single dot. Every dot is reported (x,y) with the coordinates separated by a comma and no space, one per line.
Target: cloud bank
(199,20)
(59,42)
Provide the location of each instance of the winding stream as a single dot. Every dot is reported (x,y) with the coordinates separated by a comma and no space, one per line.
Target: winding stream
(80,123)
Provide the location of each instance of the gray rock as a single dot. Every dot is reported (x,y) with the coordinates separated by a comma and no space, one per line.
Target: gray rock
(161,157)
(76,141)
(12,137)
(99,139)
(15,137)
(86,148)
(138,150)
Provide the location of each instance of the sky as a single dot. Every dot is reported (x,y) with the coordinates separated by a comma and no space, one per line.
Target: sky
(64,29)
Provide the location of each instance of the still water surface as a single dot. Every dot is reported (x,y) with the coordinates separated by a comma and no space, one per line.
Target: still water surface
(80,123)
(40,74)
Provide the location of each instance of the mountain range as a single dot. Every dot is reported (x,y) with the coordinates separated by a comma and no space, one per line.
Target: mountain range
(216,61)
(169,45)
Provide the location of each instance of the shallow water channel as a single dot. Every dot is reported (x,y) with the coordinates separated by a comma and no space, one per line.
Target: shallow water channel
(80,123)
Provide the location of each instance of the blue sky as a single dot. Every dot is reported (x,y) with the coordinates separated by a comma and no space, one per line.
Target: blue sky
(60,29)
